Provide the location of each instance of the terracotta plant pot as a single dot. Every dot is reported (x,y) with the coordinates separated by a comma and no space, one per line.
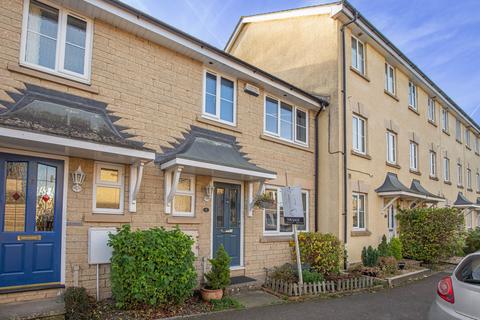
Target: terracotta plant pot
(208,294)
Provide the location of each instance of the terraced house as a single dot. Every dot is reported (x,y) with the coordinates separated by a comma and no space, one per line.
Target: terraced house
(110,117)
(390,138)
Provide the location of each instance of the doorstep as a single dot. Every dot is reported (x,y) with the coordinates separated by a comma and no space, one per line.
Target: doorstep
(45,309)
(243,284)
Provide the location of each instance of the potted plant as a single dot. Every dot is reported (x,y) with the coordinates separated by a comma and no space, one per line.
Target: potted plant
(265,201)
(218,278)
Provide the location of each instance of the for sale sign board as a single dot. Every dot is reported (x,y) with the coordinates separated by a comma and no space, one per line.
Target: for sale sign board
(292,205)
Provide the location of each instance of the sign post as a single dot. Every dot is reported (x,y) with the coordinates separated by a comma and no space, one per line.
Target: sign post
(293,214)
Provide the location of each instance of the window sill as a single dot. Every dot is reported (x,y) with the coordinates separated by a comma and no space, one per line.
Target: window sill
(446,132)
(470,190)
(459,141)
(432,123)
(418,173)
(206,120)
(391,95)
(413,110)
(433,178)
(183,220)
(361,155)
(447,182)
(460,187)
(285,143)
(107,218)
(468,148)
(393,165)
(272,238)
(478,154)
(358,73)
(52,78)
(360,233)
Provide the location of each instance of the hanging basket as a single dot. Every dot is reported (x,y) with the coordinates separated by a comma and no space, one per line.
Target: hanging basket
(264,201)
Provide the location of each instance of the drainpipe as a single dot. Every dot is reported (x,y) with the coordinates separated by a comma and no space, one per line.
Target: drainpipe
(344,102)
(316,167)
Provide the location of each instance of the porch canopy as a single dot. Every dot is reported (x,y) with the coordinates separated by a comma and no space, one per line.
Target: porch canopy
(463,203)
(53,122)
(430,197)
(206,152)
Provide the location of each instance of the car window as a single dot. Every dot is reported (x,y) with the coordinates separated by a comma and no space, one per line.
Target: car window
(469,270)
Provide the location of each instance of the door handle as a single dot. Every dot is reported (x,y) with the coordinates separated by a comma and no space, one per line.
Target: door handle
(227,230)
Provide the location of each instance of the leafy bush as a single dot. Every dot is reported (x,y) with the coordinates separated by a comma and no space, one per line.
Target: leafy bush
(285,272)
(323,252)
(472,241)
(369,256)
(395,248)
(430,234)
(219,276)
(388,265)
(78,305)
(151,267)
(383,247)
(311,276)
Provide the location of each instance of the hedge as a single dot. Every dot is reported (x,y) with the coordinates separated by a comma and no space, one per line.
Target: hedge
(430,234)
(153,267)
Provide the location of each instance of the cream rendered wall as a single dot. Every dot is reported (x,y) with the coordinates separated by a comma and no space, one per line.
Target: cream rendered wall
(304,52)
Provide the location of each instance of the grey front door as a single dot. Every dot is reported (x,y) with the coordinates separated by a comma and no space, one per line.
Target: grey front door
(227,220)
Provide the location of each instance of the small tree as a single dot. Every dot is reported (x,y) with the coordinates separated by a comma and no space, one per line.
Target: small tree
(219,276)
(369,256)
(383,247)
(395,248)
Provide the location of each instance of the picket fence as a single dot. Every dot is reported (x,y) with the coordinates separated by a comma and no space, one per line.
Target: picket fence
(293,289)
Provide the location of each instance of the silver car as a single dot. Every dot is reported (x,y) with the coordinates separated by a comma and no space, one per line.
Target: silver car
(458,295)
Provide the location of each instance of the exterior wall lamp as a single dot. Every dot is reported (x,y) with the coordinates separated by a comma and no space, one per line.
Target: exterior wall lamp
(78,177)
(209,191)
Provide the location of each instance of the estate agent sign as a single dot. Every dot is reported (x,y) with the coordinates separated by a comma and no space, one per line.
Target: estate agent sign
(292,205)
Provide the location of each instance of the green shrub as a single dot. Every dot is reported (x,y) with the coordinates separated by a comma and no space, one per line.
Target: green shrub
(78,305)
(388,265)
(310,276)
(219,276)
(369,257)
(285,272)
(395,248)
(472,241)
(323,252)
(153,267)
(430,234)
(383,247)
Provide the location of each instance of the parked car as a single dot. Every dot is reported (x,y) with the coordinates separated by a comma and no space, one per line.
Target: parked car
(458,295)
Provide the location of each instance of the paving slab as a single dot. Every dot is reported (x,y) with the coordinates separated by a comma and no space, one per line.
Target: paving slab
(51,309)
(256,298)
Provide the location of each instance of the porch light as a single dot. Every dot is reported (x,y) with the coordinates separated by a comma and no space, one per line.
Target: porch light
(208,191)
(78,177)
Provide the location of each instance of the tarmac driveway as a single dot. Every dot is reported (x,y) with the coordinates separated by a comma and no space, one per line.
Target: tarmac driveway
(411,301)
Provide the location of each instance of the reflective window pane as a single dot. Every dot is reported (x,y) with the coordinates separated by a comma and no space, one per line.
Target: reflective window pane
(184,184)
(286,121)
(15,196)
(219,200)
(45,199)
(210,93)
(271,116)
(42,35)
(108,198)
(226,100)
(271,214)
(301,126)
(182,203)
(75,45)
(109,175)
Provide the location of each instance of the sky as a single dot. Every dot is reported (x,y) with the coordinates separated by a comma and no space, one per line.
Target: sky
(442,37)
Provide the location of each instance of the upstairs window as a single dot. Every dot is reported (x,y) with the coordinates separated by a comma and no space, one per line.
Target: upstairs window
(219,101)
(433,164)
(359,137)
(56,40)
(478,182)
(389,79)
(413,156)
(445,124)
(391,147)
(467,138)
(459,174)
(358,55)
(446,169)
(412,95)
(458,130)
(285,121)
(469,178)
(431,110)
(477,144)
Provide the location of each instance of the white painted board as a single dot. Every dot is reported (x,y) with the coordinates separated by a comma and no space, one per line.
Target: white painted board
(98,250)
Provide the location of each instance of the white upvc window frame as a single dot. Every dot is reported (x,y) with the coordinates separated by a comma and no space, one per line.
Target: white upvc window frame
(277,232)
(478,180)
(458,130)
(356,197)
(390,146)
(390,71)
(446,169)
(459,175)
(277,134)
(98,166)
(468,140)
(469,178)
(445,121)
(433,164)
(359,137)
(190,193)
(477,144)
(431,110)
(59,70)
(216,116)
(359,59)
(414,156)
(412,96)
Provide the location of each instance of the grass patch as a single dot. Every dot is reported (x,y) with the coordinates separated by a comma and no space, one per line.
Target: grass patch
(226,303)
